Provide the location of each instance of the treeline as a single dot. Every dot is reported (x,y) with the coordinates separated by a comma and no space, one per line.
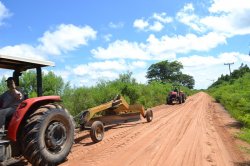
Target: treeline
(233,92)
(77,99)
(238,73)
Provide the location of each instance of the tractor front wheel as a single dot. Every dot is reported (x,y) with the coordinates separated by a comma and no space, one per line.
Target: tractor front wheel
(169,100)
(48,135)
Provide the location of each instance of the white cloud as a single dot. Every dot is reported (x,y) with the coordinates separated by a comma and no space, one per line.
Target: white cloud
(189,18)
(140,24)
(4,13)
(138,64)
(121,50)
(228,5)
(154,23)
(140,77)
(116,25)
(196,60)
(227,17)
(65,74)
(245,58)
(66,38)
(231,24)
(106,65)
(23,50)
(157,27)
(89,74)
(162,17)
(159,49)
(92,78)
(114,66)
(184,44)
(227,57)
(107,37)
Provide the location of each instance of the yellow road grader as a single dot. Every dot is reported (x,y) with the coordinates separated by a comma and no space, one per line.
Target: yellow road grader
(115,111)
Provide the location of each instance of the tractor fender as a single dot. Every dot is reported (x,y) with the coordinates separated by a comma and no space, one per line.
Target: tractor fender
(22,110)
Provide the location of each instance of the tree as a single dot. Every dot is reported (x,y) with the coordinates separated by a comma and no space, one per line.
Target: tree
(126,78)
(52,84)
(164,71)
(169,72)
(187,80)
(27,83)
(3,86)
(128,87)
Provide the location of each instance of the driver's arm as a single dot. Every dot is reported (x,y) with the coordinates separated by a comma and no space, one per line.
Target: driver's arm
(18,95)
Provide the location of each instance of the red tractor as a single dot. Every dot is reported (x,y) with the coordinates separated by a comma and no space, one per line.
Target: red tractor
(176,96)
(41,129)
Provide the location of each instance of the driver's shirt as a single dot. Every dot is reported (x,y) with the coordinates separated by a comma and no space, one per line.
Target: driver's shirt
(11,98)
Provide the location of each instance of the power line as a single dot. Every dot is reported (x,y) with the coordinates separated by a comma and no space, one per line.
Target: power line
(229,65)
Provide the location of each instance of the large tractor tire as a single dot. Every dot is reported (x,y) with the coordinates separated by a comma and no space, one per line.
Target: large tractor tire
(180,99)
(183,98)
(48,135)
(97,131)
(169,100)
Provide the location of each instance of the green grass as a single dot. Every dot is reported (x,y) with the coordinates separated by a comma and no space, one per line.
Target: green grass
(234,95)
(245,149)
(245,135)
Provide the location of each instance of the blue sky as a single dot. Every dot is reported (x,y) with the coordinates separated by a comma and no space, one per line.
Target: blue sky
(91,41)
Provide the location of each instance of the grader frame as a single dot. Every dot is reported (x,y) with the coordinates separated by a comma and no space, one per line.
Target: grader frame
(116,111)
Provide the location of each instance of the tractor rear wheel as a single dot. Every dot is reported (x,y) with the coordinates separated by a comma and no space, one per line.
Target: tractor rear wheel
(183,98)
(180,99)
(48,135)
(97,131)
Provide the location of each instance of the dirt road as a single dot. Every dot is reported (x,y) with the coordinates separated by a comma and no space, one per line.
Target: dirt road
(193,133)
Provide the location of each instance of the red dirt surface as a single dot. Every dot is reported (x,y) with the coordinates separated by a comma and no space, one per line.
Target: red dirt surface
(197,132)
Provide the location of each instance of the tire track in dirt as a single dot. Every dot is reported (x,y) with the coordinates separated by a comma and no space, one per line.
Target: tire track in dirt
(178,135)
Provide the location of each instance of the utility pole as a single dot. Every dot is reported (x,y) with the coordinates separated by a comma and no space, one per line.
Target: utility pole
(229,64)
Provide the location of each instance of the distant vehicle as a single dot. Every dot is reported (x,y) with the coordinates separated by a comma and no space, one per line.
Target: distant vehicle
(176,96)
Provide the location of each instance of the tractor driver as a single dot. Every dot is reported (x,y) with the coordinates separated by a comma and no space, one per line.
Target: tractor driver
(9,101)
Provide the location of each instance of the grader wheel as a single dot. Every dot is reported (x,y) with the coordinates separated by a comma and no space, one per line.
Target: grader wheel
(149,115)
(97,131)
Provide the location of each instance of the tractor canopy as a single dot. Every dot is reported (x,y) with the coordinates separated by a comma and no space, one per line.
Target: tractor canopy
(19,64)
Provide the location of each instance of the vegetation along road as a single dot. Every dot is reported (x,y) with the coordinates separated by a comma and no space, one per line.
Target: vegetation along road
(198,132)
